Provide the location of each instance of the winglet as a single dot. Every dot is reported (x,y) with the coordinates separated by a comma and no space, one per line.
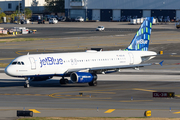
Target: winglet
(161,63)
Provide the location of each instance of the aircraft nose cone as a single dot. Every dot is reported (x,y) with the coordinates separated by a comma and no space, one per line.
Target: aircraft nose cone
(8,71)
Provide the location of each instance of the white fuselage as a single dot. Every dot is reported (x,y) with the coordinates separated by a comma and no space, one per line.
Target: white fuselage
(59,63)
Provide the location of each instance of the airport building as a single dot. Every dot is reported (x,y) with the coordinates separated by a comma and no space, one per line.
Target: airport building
(8,6)
(106,10)
(37,6)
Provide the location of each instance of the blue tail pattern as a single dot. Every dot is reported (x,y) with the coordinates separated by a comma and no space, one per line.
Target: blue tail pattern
(140,41)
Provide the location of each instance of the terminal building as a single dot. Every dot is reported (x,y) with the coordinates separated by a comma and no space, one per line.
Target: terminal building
(106,10)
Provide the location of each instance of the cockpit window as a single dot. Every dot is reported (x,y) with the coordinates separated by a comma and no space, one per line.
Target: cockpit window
(14,63)
(17,63)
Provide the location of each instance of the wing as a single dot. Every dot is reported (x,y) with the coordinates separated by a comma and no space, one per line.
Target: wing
(108,67)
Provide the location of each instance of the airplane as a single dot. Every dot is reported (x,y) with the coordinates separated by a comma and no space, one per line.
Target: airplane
(83,67)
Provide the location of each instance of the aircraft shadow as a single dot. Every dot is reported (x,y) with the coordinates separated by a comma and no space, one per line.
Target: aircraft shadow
(49,83)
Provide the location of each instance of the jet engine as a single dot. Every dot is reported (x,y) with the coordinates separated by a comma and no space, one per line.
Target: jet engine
(83,77)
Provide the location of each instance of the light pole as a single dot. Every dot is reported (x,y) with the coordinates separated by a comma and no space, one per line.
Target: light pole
(86,10)
(19,7)
(19,10)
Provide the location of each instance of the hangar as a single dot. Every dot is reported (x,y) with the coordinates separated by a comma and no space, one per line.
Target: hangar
(106,10)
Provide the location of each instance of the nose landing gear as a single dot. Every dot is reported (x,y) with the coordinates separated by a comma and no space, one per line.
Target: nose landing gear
(26,85)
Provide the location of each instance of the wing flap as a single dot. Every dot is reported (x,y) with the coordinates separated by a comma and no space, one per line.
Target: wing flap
(120,67)
(107,67)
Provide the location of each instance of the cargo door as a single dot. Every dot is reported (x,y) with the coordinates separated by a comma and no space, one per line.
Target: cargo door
(33,63)
(106,15)
(116,15)
(96,15)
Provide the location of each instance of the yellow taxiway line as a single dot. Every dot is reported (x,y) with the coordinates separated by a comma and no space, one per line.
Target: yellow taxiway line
(176,112)
(6,58)
(34,111)
(144,90)
(109,111)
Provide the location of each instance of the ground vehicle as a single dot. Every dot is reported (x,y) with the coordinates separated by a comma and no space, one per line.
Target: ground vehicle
(70,19)
(35,18)
(166,19)
(79,19)
(123,19)
(47,17)
(62,18)
(53,21)
(100,28)
(177,25)
(41,21)
(128,18)
(160,18)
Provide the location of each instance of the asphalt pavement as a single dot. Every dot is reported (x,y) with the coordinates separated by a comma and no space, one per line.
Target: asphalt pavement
(127,94)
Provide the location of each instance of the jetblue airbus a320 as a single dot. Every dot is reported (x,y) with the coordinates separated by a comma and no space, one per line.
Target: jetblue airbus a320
(83,67)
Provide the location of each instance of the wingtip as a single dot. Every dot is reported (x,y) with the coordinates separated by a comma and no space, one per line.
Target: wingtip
(161,63)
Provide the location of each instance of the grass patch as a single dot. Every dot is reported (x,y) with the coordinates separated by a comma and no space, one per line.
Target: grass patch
(21,39)
(93,118)
(3,65)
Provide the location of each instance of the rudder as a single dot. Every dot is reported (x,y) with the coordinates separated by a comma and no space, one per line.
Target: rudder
(140,41)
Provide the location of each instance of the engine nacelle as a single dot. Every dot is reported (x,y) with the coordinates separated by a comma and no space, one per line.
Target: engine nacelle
(44,78)
(83,77)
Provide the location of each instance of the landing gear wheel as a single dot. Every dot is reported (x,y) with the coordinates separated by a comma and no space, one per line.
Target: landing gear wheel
(63,81)
(93,83)
(26,85)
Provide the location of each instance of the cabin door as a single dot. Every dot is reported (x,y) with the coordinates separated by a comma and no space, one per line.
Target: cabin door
(33,63)
(131,57)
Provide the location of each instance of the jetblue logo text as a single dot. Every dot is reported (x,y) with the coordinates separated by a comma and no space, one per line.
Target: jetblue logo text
(51,61)
(141,41)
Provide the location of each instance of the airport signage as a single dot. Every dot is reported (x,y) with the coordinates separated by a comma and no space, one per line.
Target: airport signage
(163,94)
(24,113)
(147,113)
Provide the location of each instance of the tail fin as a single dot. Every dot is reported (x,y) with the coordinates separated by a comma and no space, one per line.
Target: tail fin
(140,41)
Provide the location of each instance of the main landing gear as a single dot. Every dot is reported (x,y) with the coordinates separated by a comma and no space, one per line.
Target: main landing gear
(26,85)
(63,81)
(93,83)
